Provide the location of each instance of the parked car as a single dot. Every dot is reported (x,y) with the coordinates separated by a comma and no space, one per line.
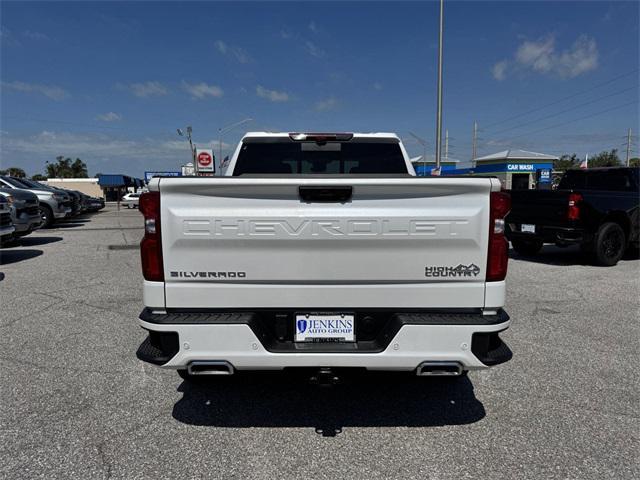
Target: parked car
(94,204)
(596,208)
(54,205)
(74,201)
(324,251)
(25,210)
(130,200)
(6,225)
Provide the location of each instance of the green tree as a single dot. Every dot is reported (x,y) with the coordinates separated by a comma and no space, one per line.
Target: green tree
(605,159)
(79,169)
(634,162)
(65,168)
(38,177)
(566,162)
(14,172)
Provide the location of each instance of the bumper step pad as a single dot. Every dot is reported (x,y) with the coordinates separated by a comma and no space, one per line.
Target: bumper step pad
(490,349)
(158,348)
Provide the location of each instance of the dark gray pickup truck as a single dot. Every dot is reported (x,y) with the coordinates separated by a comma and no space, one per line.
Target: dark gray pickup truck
(596,208)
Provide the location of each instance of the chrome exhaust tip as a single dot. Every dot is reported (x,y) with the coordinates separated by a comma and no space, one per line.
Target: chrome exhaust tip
(210,367)
(439,369)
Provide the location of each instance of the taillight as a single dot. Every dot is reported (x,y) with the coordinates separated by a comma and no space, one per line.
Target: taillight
(498,257)
(151,244)
(573,209)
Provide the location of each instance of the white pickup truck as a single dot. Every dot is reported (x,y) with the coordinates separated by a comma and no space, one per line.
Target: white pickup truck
(323,250)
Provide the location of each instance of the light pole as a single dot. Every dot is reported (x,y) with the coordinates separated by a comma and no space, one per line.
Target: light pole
(439,114)
(422,142)
(228,128)
(193,154)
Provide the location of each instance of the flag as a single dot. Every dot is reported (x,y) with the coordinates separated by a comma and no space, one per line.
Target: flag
(585,163)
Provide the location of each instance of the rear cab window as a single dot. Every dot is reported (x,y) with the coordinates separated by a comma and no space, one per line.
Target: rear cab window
(614,180)
(282,155)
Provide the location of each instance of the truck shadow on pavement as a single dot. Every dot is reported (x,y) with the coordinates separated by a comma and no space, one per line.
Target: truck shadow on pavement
(369,400)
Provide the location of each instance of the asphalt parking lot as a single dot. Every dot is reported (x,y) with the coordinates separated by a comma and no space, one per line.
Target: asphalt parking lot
(76,403)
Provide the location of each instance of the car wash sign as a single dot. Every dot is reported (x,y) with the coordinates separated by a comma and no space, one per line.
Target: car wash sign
(520,167)
(205,160)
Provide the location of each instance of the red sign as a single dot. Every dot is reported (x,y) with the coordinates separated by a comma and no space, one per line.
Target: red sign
(204,159)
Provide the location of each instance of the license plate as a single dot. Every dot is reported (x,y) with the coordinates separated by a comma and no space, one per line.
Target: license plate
(528,228)
(325,327)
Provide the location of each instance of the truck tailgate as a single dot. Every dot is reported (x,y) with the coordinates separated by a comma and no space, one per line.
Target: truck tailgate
(539,207)
(252,242)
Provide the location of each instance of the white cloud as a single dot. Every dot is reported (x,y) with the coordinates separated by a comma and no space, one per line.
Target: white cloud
(145,89)
(541,56)
(241,55)
(313,27)
(51,91)
(35,35)
(202,90)
(377,86)
(104,152)
(499,70)
(580,58)
(272,95)
(537,55)
(87,146)
(313,50)
(8,38)
(238,53)
(285,34)
(109,117)
(221,46)
(326,104)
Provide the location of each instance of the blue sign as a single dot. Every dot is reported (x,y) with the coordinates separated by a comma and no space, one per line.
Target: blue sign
(511,167)
(149,175)
(544,175)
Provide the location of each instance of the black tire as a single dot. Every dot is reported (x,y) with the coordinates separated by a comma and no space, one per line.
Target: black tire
(527,248)
(609,244)
(46,214)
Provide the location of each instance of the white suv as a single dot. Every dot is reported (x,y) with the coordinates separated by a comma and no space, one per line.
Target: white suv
(130,200)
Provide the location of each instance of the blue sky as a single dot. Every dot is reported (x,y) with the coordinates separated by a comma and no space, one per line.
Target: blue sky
(111,82)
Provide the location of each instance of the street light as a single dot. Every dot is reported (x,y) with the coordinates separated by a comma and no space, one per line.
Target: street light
(228,128)
(439,114)
(189,131)
(193,155)
(422,142)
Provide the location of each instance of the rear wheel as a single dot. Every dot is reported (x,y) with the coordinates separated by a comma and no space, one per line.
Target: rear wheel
(46,215)
(610,244)
(527,248)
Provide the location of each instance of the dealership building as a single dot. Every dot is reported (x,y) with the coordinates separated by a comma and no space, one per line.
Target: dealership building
(516,169)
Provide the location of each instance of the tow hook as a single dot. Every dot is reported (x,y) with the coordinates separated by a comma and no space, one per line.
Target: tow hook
(324,377)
